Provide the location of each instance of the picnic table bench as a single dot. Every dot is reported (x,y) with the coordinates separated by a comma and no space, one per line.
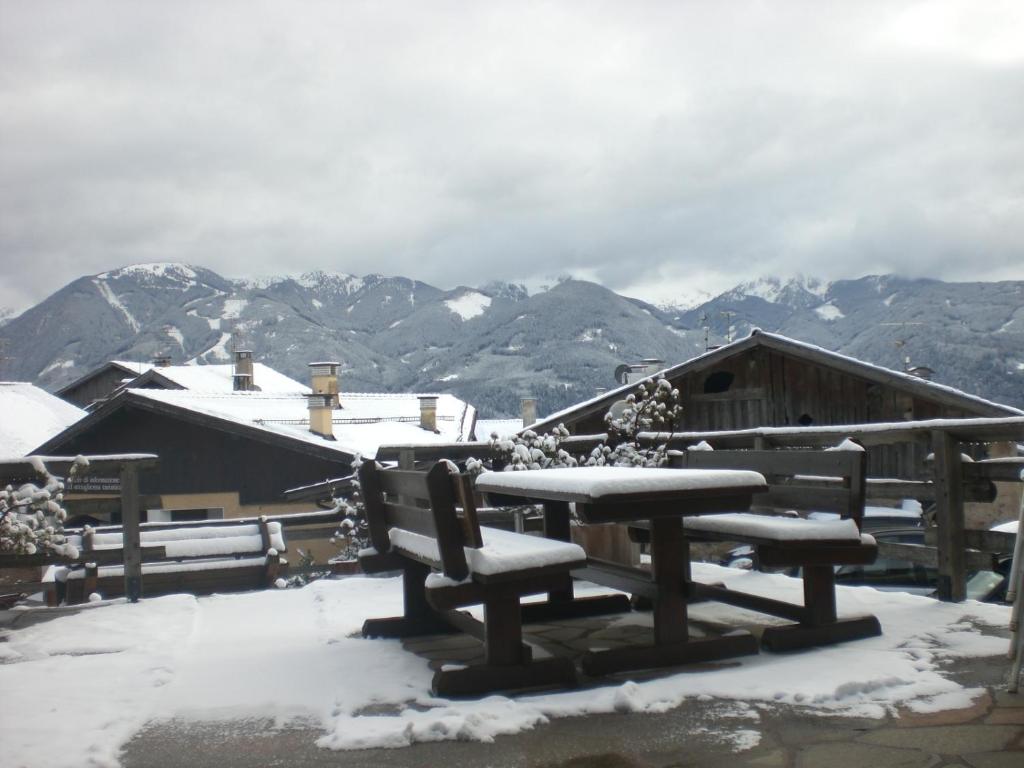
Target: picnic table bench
(448,561)
(185,558)
(816,547)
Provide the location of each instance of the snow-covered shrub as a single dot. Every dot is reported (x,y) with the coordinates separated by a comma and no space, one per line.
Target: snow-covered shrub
(654,407)
(32,516)
(353,532)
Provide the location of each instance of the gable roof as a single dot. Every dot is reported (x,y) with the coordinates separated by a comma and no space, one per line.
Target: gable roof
(364,421)
(914,385)
(130,370)
(31,415)
(217,378)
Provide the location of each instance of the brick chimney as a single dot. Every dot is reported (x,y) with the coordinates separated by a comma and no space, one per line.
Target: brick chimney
(321,413)
(324,380)
(242,380)
(528,407)
(428,412)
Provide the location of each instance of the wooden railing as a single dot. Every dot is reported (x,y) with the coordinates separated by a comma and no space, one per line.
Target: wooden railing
(953,481)
(124,466)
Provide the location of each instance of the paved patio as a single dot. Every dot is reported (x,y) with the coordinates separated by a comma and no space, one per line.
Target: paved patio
(702,732)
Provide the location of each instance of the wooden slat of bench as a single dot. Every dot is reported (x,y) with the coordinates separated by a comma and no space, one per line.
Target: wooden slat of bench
(409,518)
(823,463)
(806,497)
(406,483)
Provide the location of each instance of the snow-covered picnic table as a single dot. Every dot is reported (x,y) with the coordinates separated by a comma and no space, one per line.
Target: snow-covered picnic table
(628,494)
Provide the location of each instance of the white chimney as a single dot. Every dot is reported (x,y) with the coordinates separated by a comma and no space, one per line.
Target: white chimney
(324,380)
(528,407)
(321,412)
(428,412)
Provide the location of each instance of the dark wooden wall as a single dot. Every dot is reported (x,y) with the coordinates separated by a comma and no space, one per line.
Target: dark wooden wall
(95,388)
(766,388)
(199,459)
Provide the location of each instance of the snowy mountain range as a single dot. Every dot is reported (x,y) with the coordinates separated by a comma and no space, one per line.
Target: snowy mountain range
(494,344)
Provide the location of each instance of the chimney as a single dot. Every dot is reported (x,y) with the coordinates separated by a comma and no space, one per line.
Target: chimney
(600,391)
(654,364)
(242,377)
(321,411)
(162,361)
(324,380)
(428,412)
(528,407)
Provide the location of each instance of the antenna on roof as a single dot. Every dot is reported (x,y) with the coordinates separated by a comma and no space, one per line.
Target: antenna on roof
(704,322)
(728,314)
(901,341)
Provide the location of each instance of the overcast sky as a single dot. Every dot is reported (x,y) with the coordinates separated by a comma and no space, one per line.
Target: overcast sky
(655,148)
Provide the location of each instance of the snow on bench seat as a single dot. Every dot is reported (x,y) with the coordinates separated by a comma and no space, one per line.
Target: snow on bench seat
(189,567)
(776,529)
(502,552)
(198,542)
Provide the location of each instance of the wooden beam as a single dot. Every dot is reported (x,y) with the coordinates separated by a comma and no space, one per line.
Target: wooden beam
(949,504)
(130,518)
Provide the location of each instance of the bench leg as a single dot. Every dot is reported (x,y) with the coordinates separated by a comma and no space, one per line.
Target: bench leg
(508,664)
(819,625)
(419,618)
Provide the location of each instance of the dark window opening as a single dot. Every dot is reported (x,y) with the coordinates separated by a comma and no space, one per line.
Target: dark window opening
(719,381)
(805,420)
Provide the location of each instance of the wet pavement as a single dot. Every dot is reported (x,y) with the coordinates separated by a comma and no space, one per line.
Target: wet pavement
(704,732)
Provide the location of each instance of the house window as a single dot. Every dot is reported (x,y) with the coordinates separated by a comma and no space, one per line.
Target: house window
(719,381)
(183,515)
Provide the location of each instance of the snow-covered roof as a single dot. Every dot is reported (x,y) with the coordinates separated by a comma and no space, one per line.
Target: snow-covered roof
(501,427)
(798,348)
(30,416)
(364,422)
(220,378)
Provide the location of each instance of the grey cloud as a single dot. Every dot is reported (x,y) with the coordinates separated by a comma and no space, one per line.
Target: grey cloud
(461,143)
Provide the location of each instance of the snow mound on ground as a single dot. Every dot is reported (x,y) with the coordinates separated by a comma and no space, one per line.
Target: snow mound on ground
(296,656)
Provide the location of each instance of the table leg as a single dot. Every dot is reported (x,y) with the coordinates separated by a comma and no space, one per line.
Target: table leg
(557,526)
(668,547)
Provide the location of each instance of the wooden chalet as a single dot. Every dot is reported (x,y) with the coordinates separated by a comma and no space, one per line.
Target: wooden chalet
(768,380)
(230,454)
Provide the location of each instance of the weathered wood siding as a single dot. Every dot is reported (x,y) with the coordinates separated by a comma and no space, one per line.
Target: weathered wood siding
(766,388)
(199,459)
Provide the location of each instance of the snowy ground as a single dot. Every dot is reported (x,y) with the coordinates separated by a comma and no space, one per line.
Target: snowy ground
(75,689)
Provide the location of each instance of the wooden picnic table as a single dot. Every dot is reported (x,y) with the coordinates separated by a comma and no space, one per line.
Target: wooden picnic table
(624,495)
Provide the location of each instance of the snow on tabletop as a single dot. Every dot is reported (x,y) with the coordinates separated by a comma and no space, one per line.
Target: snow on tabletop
(774,528)
(503,551)
(599,482)
(87,682)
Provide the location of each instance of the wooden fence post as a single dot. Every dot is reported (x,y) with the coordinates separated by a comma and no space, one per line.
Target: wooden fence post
(130,516)
(949,502)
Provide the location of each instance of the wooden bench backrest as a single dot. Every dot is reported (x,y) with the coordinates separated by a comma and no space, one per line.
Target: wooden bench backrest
(797,479)
(424,503)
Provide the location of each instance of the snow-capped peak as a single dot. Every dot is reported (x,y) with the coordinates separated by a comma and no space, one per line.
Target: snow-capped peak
(775,290)
(161,269)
